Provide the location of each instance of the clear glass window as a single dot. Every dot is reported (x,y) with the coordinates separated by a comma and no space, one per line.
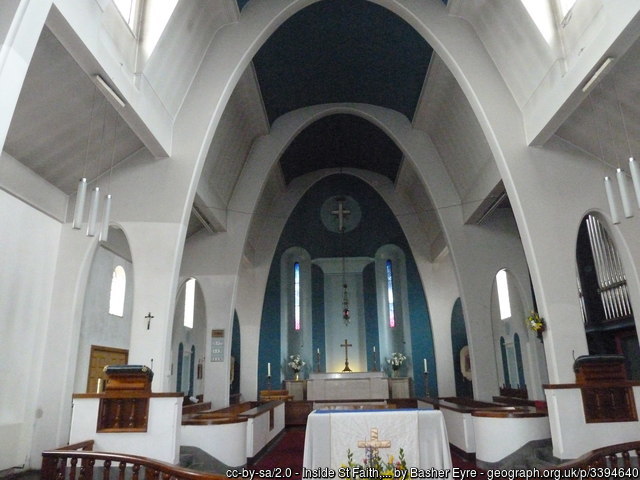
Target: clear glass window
(503,294)
(118,286)
(128,10)
(189,301)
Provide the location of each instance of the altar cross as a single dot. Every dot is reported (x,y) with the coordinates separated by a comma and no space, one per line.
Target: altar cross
(341,212)
(374,444)
(149,317)
(346,346)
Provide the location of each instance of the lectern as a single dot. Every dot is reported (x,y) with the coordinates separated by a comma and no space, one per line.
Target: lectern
(124,406)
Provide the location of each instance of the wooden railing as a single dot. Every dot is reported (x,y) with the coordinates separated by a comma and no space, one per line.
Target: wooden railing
(614,461)
(62,464)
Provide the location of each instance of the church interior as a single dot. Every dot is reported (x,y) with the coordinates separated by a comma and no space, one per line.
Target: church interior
(310,207)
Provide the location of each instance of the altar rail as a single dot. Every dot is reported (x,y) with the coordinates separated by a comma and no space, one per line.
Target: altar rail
(620,456)
(62,464)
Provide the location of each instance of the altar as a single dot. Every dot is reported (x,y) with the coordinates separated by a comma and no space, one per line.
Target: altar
(347,386)
(415,438)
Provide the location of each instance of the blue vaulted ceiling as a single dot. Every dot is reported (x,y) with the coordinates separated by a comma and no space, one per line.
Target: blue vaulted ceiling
(342,51)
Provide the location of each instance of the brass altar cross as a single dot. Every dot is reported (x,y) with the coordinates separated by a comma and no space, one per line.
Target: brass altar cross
(374,444)
(341,212)
(346,346)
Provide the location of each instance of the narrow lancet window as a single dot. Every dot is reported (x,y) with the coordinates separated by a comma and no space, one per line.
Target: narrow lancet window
(390,304)
(189,301)
(118,287)
(503,295)
(296,296)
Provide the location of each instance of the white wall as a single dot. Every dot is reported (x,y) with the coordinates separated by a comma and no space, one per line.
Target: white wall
(29,242)
(99,327)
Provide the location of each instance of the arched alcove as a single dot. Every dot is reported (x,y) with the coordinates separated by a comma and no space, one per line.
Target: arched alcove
(607,312)
(105,336)
(464,386)
(188,339)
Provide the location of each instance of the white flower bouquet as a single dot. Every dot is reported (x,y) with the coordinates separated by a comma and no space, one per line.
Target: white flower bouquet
(296,363)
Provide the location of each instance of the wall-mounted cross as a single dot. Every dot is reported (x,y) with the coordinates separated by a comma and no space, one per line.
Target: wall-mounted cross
(341,212)
(149,317)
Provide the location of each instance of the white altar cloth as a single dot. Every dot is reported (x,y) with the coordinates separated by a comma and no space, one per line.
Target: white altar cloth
(420,433)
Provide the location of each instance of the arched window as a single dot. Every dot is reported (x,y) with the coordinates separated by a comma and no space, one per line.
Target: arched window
(503,294)
(189,301)
(390,303)
(118,286)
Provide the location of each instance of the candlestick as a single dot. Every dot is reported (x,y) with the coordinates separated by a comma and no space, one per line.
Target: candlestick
(426,370)
(426,384)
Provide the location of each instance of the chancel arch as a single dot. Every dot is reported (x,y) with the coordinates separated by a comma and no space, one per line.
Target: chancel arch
(359,250)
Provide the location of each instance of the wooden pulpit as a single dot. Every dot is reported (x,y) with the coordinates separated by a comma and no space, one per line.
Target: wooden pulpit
(606,396)
(124,406)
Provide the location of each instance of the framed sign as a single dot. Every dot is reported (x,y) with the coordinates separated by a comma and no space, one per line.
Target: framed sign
(217,345)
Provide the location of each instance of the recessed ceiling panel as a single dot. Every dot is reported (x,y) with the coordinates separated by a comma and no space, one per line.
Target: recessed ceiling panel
(341,141)
(342,51)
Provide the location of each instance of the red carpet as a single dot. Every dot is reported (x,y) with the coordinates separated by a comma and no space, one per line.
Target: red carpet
(287,454)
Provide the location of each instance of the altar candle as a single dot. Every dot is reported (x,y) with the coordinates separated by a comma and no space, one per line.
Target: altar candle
(425,365)
(269,369)
(374,349)
(318,351)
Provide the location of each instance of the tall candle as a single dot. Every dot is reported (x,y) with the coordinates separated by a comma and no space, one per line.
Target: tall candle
(374,349)
(425,365)
(269,369)
(318,351)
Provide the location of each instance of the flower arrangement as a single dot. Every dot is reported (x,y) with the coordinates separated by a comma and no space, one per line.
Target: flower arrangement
(296,363)
(535,322)
(396,360)
(373,466)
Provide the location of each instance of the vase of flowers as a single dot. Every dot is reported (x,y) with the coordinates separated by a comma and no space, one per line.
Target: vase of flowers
(536,324)
(396,361)
(296,363)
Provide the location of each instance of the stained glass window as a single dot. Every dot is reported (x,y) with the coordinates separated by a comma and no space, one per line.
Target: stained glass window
(392,315)
(296,295)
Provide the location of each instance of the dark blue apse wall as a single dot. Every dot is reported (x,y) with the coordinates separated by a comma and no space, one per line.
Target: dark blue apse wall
(378,226)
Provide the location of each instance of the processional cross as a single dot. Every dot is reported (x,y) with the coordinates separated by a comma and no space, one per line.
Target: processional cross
(372,446)
(346,346)
(341,212)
